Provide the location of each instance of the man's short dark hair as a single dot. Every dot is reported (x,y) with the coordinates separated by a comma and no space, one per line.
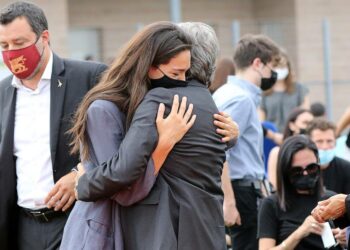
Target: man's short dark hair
(318,109)
(321,124)
(255,46)
(34,15)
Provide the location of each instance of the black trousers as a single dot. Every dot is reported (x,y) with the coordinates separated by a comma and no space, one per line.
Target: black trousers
(244,237)
(35,235)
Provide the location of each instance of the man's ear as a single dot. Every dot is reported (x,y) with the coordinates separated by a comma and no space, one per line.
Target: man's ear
(257,63)
(46,37)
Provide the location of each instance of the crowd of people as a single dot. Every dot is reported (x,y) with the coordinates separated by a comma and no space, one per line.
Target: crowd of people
(166,148)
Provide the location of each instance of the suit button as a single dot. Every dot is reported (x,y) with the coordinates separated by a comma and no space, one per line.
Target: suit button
(55,170)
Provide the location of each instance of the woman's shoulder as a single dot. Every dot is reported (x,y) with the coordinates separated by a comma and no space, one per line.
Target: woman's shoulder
(103,105)
(104,109)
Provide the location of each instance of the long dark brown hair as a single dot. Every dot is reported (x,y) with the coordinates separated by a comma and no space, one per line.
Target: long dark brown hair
(293,116)
(289,148)
(126,82)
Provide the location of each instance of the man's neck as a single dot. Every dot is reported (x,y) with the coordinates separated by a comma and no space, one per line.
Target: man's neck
(248,76)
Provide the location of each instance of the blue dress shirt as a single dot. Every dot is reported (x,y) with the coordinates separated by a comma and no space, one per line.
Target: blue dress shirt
(240,99)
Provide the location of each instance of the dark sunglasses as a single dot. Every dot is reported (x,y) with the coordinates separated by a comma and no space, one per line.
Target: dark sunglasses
(312,168)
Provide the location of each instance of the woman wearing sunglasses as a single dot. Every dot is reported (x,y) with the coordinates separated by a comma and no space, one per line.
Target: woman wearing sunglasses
(284,217)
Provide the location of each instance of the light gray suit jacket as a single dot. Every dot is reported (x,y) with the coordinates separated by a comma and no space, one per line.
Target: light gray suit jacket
(96,225)
(184,208)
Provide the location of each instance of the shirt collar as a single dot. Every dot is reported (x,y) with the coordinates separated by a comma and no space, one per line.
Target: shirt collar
(253,90)
(17,83)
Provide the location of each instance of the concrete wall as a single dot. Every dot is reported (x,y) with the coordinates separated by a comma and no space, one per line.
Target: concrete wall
(119,20)
(309,16)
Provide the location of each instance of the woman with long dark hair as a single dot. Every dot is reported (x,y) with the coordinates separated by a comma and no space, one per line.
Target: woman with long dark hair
(284,217)
(297,122)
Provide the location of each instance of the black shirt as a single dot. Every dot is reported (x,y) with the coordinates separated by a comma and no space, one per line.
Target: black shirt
(336,176)
(276,224)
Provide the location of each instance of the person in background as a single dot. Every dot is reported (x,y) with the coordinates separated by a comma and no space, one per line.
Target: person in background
(224,68)
(284,217)
(37,103)
(335,171)
(255,56)
(286,95)
(297,123)
(318,109)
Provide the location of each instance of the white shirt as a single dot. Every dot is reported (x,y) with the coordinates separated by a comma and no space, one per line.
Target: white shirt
(32,141)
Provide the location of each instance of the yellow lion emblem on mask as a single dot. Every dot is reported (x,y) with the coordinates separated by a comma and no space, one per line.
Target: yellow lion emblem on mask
(17,65)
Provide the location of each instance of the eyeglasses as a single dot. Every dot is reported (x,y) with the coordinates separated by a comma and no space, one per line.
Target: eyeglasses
(312,168)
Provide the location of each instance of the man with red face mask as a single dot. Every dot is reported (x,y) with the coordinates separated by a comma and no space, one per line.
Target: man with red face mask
(36,104)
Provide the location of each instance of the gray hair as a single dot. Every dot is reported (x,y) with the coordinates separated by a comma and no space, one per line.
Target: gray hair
(205,50)
(34,15)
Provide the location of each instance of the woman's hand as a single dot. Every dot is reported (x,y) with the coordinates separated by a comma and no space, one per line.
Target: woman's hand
(310,225)
(226,127)
(172,128)
(340,236)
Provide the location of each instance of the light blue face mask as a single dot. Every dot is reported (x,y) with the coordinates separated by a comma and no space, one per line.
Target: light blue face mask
(326,156)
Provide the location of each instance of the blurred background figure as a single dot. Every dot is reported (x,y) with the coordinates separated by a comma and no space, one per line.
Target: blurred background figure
(335,170)
(318,109)
(224,68)
(296,124)
(285,95)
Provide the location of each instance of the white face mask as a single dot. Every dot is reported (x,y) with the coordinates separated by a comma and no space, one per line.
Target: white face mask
(282,73)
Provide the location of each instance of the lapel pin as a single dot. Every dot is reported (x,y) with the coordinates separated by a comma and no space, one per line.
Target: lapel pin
(59,84)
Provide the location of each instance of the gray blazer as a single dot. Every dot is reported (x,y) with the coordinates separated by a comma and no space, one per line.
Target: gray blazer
(184,208)
(96,225)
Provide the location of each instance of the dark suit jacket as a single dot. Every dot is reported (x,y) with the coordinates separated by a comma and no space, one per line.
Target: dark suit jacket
(184,209)
(336,177)
(77,77)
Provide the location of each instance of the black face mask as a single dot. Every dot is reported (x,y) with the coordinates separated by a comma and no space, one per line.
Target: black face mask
(302,131)
(267,83)
(167,82)
(305,182)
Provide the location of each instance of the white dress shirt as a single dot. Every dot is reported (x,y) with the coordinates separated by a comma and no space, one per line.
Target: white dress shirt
(32,141)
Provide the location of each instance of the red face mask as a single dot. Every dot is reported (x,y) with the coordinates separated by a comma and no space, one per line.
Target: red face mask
(22,62)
